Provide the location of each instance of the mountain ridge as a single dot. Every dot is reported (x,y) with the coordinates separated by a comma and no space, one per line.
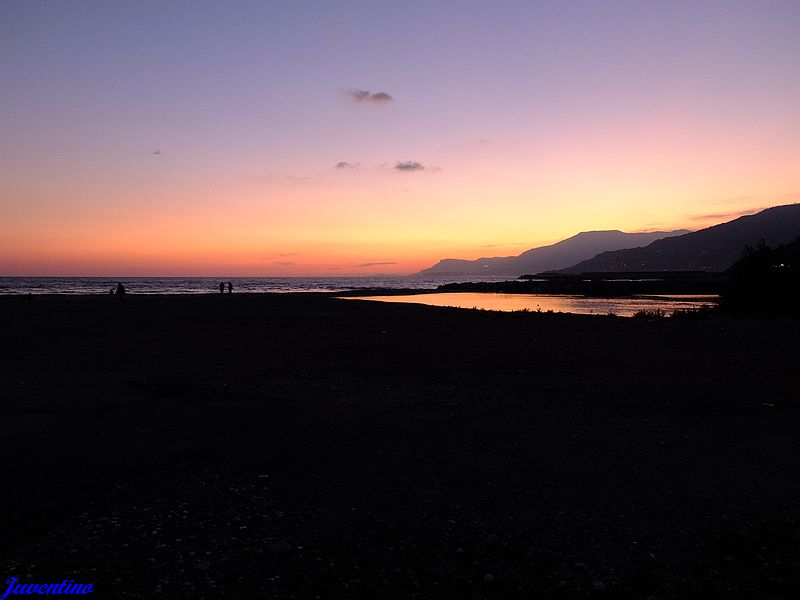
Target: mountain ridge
(713,248)
(560,255)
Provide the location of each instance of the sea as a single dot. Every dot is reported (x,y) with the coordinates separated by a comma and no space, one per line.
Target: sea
(206,285)
(486,301)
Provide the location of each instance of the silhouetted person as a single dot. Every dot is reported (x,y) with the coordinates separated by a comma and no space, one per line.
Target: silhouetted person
(111,291)
(230,287)
(221,287)
(121,291)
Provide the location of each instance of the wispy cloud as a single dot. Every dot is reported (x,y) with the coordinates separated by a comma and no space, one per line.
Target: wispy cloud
(655,228)
(272,257)
(277,178)
(409,165)
(376,264)
(730,200)
(506,244)
(284,263)
(368,97)
(346,165)
(726,216)
(773,199)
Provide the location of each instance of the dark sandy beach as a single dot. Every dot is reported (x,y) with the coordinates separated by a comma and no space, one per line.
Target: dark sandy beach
(299,446)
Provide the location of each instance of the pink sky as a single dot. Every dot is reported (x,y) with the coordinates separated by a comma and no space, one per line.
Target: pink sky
(159,141)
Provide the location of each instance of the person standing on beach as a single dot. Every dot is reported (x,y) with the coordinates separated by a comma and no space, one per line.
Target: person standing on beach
(230,287)
(121,291)
(221,287)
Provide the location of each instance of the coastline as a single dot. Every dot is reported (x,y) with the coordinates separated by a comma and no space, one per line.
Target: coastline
(383,450)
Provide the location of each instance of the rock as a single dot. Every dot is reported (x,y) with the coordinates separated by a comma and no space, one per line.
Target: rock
(280,548)
(411,579)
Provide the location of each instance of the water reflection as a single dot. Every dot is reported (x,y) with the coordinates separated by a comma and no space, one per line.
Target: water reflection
(623,307)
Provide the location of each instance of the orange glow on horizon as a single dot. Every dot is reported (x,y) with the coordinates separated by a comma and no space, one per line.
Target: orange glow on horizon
(206,250)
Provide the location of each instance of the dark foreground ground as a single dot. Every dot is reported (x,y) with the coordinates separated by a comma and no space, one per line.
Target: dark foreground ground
(257,446)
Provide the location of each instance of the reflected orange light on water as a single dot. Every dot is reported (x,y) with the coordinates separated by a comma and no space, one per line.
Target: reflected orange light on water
(623,307)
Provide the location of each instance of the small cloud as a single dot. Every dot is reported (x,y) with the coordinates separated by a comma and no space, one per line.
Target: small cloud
(284,263)
(409,165)
(376,264)
(346,165)
(381,97)
(156,151)
(367,97)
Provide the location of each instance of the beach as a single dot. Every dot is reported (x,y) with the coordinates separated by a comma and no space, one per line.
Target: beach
(303,446)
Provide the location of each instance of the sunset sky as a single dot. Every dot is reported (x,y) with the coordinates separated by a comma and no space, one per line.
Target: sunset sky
(341,138)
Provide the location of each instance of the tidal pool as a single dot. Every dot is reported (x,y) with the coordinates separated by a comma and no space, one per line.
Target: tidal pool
(582,305)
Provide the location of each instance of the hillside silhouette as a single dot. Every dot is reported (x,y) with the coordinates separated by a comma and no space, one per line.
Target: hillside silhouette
(556,256)
(765,280)
(712,249)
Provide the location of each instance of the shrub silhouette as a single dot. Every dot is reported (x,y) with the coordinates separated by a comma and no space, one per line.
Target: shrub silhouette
(765,280)
(650,314)
(693,314)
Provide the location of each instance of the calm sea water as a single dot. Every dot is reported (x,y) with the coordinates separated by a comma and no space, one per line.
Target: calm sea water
(622,307)
(489,301)
(205,285)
